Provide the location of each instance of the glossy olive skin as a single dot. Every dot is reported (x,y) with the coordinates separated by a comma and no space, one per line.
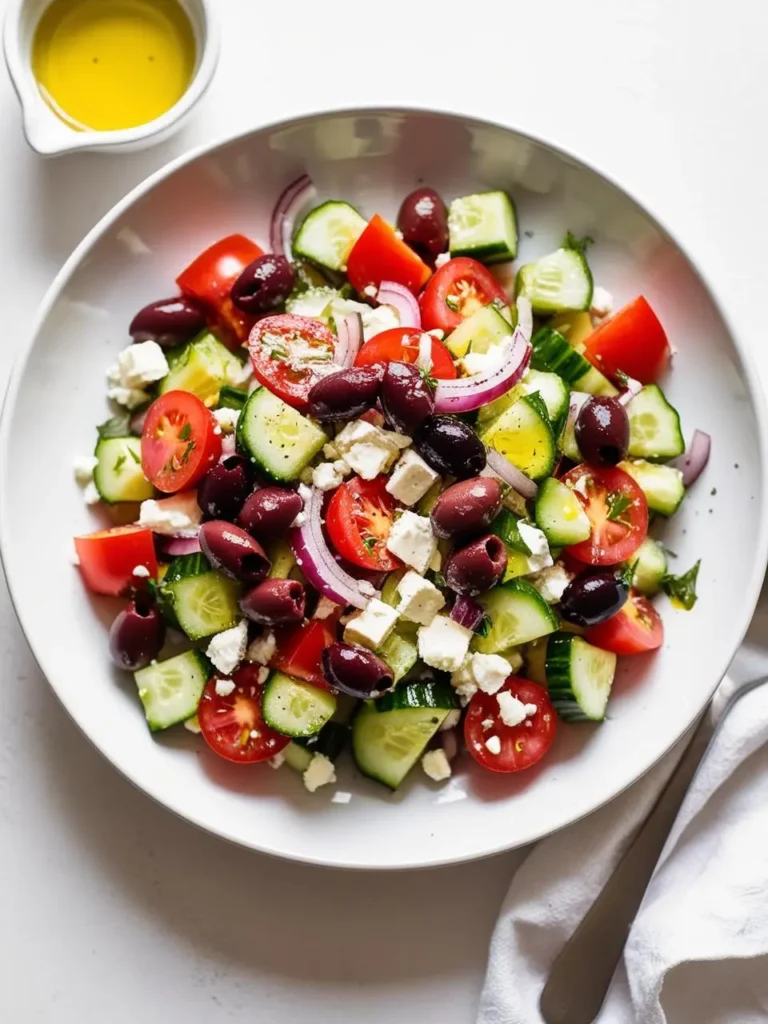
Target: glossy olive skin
(268,513)
(593,597)
(346,394)
(478,566)
(602,431)
(450,447)
(406,397)
(466,507)
(356,670)
(137,634)
(169,322)
(423,222)
(224,488)
(275,603)
(233,551)
(264,285)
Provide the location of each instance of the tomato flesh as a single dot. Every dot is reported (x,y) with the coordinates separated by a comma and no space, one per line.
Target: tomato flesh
(107,558)
(289,354)
(300,649)
(521,745)
(635,629)
(458,289)
(359,518)
(401,345)
(379,255)
(233,726)
(617,511)
(632,342)
(179,443)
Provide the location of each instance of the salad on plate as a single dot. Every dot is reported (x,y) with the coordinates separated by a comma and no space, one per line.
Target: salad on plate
(377,488)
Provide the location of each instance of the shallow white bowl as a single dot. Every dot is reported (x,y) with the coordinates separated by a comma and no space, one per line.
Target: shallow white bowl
(373,158)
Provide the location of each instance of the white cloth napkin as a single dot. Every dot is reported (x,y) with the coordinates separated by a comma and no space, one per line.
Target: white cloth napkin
(698,950)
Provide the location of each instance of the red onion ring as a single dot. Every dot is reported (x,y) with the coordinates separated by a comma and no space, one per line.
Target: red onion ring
(350,331)
(467,612)
(498,465)
(287,206)
(391,293)
(177,546)
(468,393)
(696,457)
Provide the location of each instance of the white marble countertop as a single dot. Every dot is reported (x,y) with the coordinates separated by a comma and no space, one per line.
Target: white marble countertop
(113,909)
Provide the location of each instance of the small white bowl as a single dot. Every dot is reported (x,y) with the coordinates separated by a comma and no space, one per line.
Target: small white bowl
(49,135)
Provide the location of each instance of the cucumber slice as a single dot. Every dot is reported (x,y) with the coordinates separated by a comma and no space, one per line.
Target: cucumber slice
(650,564)
(560,515)
(312,302)
(418,695)
(567,442)
(171,690)
(232,398)
(662,485)
(202,601)
(654,426)
(556,283)
(535,661)
(118,475)
(523,435)
(327,234)
(479,332)
(575,327)
(518,614)
(297,757)
(282,560)
(553,391)
(399,654)
(553,353)
(277,438)
(483,226)
(294,708)
(579,677)
(329,742)
(202,366)
(505,526)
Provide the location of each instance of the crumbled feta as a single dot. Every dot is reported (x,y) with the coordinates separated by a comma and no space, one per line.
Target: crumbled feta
(512,710)
(224,687)
(372,626)
(262,675)
(277,760)
(141,571)
(330,451)
(320,772)
(370,290)
(412,541)
(193,725)
(301,518)
(262,649)
(178,516)
(436,765)
(451,720)
(490,671)
(325,607)
(341,797)
(369,460)
(130,398)
(443,644)
(329,475)
(441,259)
(91,494)
(493,745)
(420,600)
(602,303)
(551,582)
(226,650)
(486,724)
(383,318)
(411,478)
(226,419)
(362,432)
(540,556)
(140,364)
(84,466)
(484,362)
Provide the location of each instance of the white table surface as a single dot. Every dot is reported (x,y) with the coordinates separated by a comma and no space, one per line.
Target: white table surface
(112,909)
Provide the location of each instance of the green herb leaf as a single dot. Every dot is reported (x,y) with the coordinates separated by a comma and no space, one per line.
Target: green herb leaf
(187,452)
(119,462)
(452,303)
(535,400)
(682,589)
(618,504)
(118,426)
(136,458)
(626,572)
(369,543)
(484,626)
(438,579)
(578,244)
(622,378)
(186,432)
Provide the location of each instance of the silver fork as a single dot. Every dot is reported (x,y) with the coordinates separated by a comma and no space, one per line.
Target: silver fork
(581,974)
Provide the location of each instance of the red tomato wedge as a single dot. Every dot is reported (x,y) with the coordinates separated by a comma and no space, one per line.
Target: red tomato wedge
(359,518)
(233,726)
(108,557)
(209,279)
(459,288)
(521,745)
(401,345)
(632,341)
(635,629)
(179,443)
(289,354)
(379,255)
(617,510)
(300,648)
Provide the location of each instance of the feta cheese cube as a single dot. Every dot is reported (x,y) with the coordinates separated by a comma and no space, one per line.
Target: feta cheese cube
(262,649)
(142,363)
(178,516)
(369,460)
(224,687)
(602,303)
(372,626)
(383,318)
(356,432)
(490,671)
(84,466)
(540,556)
(493,745)
(329,475)
(91,494)
(551,582)
(436,765)
(411,478)
(420,600)
(511,709)
(412,541)
(443,644)
(227,419)
(321,772)
(226,650)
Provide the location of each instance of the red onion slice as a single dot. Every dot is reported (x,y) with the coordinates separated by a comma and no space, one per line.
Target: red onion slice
(350,331)
(525,316)
(498,465)
(696,457)
(287,206)
(177,546)
(391,293)
(467,612)
(632,387)
(468,393)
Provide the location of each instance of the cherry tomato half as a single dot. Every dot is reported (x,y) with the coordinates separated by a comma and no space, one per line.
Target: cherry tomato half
(521,745)
(300,648)
(616,508)
(637,628)
(633,341)
(107,558)
(401,345)
(179,443)
(359,518)
(289,353)
(459,288)
(379,255)
(233,726)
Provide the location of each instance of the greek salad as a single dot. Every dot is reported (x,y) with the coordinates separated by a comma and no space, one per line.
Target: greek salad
(383,488)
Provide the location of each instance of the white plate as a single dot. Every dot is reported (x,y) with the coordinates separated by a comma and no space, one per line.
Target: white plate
(373,159)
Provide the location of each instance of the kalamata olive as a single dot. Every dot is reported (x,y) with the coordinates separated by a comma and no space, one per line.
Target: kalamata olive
(592,597)
(602,431)
(406,398)
(265,284)
(269,512)
(233,551)
(169,322)
(224,488)
(137,634)
(466,507)
(450,446)
(423,221)
(344,395)
(478,566)
(356,671)
(275,603)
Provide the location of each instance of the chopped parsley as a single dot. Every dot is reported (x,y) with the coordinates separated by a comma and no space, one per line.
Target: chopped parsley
(119,462)
(118,426)
(682,589)
(452,303)
(186,432)
(618,504)
(136,458)
(369,543)
(187,452)
(484,627)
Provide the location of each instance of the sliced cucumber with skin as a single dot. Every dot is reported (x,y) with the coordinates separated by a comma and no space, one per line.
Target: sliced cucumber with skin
(575,327)
(171,690)
(552,352)
(232,398)
(518,614)
(483,226)
(276,437)
(553,390)
(567,441)
(523,435)
(314,303)
(505,526)
(654,426)
(418,695)
(201,600)
(579,677)
(329,741)
(294,708)
(399,654)
(556,283)
(297,757)
(560,515)
(118,475)
(662,486)
(328,233)
(202,366)
(650,567)
(484,329)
